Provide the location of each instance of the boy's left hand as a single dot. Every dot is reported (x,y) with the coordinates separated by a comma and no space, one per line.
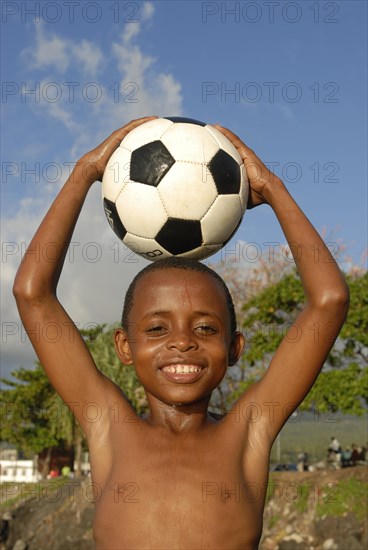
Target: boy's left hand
(94,162)
(259,176)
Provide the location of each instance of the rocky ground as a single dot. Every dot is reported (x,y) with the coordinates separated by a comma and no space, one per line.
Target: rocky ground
(305,511)
(324,510)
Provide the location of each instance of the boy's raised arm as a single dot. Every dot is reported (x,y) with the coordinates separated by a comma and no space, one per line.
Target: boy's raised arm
(301,355)
(66,359)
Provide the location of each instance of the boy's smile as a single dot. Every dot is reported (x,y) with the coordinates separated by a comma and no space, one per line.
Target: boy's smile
(179,335)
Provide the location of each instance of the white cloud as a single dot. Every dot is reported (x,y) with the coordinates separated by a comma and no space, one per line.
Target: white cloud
(49,51)
(141,88)
(89,55)
(55,52)
(147,11)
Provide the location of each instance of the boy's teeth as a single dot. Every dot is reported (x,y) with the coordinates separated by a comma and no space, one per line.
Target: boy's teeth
(181,369)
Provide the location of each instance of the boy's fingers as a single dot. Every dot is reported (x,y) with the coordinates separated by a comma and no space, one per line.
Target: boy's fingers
(133,124)
(248,155)
(114,140)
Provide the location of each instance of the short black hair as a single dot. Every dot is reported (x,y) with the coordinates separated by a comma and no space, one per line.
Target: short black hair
(173,262)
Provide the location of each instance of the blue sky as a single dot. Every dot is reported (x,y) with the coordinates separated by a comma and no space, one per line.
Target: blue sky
(288,77)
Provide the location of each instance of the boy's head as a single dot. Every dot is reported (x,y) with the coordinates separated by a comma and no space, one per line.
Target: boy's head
(179,330)
(178,263)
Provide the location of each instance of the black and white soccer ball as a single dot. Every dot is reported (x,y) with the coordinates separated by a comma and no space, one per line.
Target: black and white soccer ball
(175,187)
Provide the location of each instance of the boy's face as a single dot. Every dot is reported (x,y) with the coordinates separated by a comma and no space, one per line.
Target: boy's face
(179,335)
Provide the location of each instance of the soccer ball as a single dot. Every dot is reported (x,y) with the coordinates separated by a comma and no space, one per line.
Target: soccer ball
(175,187)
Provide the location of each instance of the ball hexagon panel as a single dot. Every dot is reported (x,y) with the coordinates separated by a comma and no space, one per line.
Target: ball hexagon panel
(190,143)
(147,132)
(179,236)
(184,193)
(150,163)
(224,143)
(148,248)
(221,220)
(113,218)
(116,174)
(225,172)
(140,209)
(244,188)
(202,252)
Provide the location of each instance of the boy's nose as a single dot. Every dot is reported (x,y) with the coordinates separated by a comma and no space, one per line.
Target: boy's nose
(182,340)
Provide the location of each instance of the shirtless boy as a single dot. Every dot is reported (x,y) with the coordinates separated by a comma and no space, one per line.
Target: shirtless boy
(179,479)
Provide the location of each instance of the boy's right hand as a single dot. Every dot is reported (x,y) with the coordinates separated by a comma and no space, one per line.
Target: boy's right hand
(94,162)
(261,180)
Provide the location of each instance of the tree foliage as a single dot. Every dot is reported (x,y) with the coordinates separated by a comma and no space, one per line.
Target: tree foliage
(100,342)
(33,416)
(355,330)
(30,413)
(342,384)
(344,390)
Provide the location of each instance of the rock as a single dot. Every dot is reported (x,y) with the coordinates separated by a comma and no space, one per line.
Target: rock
(291,544)
(269,544)
(353,543)
(329,544)
(340,529)
(20,545)
(297,538)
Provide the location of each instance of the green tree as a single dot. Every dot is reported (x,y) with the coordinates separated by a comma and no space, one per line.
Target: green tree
(355,331)
(100,341)
(344,390)
(267,315)
(32,418)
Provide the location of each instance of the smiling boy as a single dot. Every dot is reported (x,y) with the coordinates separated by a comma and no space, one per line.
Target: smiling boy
(179,479)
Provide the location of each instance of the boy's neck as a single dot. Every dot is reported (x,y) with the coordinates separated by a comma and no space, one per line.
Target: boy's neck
(179,417)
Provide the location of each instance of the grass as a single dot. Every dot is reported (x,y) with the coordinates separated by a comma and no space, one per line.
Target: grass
(301,503)
(348,495)
(274,519)
(14,493)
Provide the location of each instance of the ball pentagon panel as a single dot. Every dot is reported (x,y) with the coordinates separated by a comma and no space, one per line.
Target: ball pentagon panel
(179,236)
(225,172)
(114,219)
(150,163)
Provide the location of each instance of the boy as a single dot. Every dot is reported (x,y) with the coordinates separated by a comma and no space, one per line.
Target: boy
(179,479)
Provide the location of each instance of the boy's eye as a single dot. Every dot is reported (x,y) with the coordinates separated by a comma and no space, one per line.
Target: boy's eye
(206,329)
(155,329)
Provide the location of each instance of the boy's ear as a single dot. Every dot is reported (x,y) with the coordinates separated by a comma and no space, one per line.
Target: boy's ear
(236,348)
(122,347)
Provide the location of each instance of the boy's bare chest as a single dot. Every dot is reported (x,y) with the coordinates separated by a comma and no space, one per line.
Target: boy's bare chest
(173,488)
